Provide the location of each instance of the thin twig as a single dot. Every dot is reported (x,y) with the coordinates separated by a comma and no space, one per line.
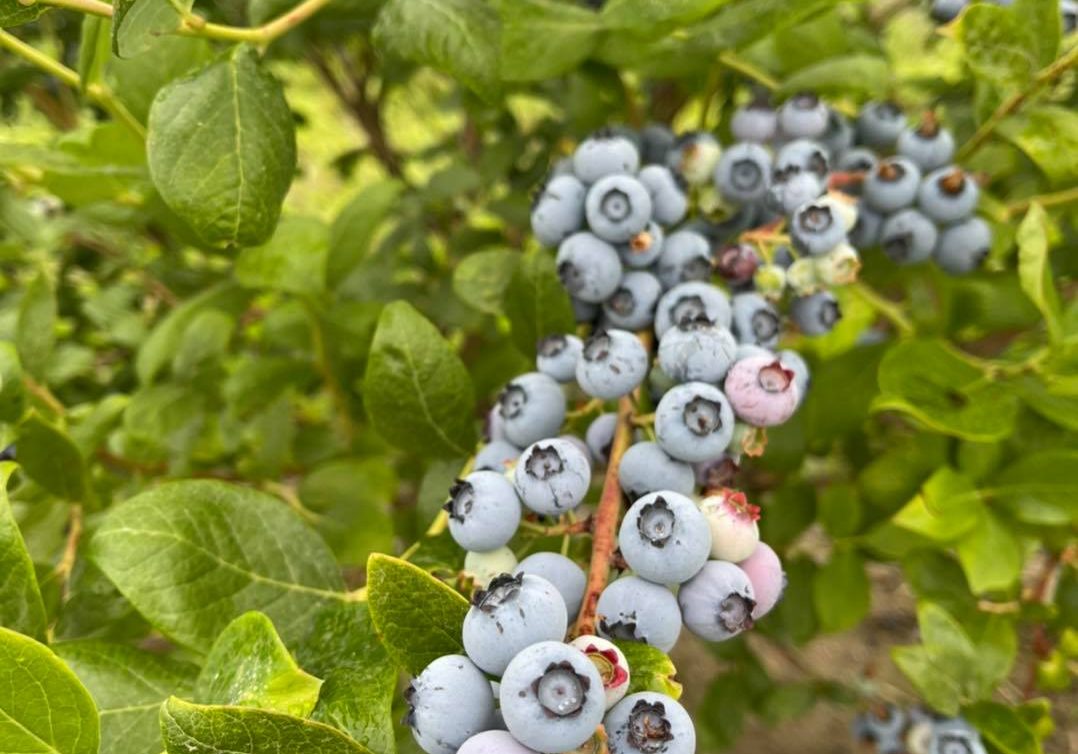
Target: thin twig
(42,393)
(71,547)
(556,530)
(888,310)
(745,68)
(1045,200)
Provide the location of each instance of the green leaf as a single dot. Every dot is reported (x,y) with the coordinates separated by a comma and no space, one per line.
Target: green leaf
(833,75)
(1044,19)
(743,22)
(480,279)
(136,80)
(933,383)
(1048,134)
(1003,727)
(945,669)
(293,261)
(841,591)
(12,392)
(129,686)
(354,499)
(459,37)
(418,618)
(839,509)
(536,303)
(193,555)
(35,333)
(355,226)
(417,390)
(990,555)
(645,15)
(1000,48)
(360,679)
(51,458)
(137,25)
(947,507)
(1040,488)
(1035,272)
(196,729)
(14,13)
(222,149)
(21,607)
(249,666)
(542,39)
(43,706)
(650,669)
(1055,400)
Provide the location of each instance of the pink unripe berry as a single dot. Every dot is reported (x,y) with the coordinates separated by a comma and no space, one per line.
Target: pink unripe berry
(761,391)
(764,570)
(732,519)
(611,663)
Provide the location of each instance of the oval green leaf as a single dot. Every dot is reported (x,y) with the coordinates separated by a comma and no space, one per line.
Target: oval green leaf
(21,607)
(536,303)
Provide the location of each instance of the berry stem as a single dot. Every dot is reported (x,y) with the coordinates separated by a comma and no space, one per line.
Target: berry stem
(606,521)
(568,527)
(1054,199)
(888,310)
(745,68)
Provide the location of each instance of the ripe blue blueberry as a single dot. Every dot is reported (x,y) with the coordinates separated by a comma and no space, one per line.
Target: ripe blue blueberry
(644,248)
(613,363)
(856,160)
(1068,11)
(755,320)
(497,455)
(566,576)
(448,703)
(584,311)
(697,350)
(694,156)
(632,609)
(880,123)
(646,467)
(757,121)
(588,267)
(790,191)
(656,141)
(908,237)
(803,116)
(839,135)
(816,314)
(694,422)
(963,247)
(717,603)
(617,208)
(690,301)
(947,10)
(948,195)
(866,230)
(494,742)
(632,305)
(816,228)
(666,188)
(665,538)
(929,145)
(557,355)
(558,210)
(648,723)
(552,697)
(531,406)
(552,476)
(955,736)
(600,436)
(605,153)
(743,173)
(686,256)
(484,511)
(801,156)
(513,612)
(892,185)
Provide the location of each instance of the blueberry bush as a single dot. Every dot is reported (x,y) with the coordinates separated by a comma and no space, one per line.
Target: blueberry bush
(391,376)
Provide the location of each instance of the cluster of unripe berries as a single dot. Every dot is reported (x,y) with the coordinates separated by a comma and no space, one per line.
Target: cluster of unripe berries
(620,210)
(891,730)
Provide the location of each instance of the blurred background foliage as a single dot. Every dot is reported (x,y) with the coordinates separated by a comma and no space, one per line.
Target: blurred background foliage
(141,342)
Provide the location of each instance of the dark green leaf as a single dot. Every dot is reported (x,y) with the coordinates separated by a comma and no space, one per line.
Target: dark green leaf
(195,729)
(137,24)
(293,261)
(35,331)
(480,280)
(12,393)
(193,555)
(14,13)
(94,50)
(222,149)
(355,226)
(354,499)
(129,687)
(44,707)
(536,303)
(841,590)
(1003,727)
(544,38)
(418,618)
(249,666)
(50,458)
(459,37)
(21,607)
(416,390)
(135,81)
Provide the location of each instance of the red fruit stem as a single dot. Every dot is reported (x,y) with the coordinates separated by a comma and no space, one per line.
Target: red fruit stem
(604,534)
(841,179)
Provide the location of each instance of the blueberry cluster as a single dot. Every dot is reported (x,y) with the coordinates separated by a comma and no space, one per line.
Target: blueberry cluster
(625,211)
(948,10)
(895,731)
